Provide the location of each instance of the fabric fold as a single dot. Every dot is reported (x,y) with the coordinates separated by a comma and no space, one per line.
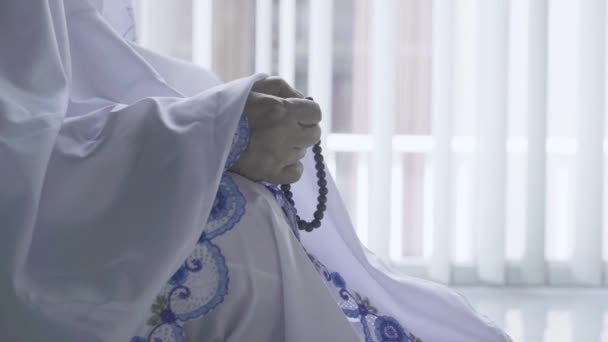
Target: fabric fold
(105,169)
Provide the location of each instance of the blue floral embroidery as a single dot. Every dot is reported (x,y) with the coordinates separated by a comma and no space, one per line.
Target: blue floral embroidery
(227,210)
(239,142)
(374,327)
(358,309)
(388,329)
(201,283)
(289,210)
(130,33)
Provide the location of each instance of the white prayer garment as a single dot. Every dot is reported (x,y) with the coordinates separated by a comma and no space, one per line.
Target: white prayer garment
(120,224)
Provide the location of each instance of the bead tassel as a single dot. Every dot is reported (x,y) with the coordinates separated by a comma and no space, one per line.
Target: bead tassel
(322,198)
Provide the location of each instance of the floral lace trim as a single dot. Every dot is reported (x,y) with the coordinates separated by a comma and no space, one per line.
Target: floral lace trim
(288,210)
(358,309)
(239,142)
(130,33)
(369,323)
(201,283)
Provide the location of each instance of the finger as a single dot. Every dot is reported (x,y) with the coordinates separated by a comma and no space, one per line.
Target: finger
(292,155)
(306,112)
(264,108)
(288,174)
(307,136)
(276,86)
(257,164)
(257,98)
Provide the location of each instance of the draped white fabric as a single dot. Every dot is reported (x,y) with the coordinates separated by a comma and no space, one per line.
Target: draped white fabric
(108,172)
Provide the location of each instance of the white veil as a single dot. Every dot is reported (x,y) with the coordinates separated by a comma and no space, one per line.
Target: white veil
(64,121)
(106,168)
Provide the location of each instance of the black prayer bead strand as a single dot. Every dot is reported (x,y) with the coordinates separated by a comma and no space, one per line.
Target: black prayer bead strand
(321,199)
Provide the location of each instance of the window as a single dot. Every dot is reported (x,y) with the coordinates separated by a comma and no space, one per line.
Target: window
(466,136)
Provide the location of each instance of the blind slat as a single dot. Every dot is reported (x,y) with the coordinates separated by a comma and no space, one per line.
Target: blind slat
(287,38)
(533,263)
(202,33)
(320,68)
(396,209)
(439,267)
(382,109)
(362,208)
(263,36)
(587,254)
(491,143)
(320,59)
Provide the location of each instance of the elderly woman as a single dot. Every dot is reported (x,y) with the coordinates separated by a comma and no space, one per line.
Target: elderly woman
(137,202)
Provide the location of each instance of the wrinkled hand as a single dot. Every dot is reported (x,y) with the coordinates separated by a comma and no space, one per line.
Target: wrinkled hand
(282,125)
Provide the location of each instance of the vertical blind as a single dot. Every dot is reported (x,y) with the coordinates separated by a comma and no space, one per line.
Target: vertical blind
(467,136)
